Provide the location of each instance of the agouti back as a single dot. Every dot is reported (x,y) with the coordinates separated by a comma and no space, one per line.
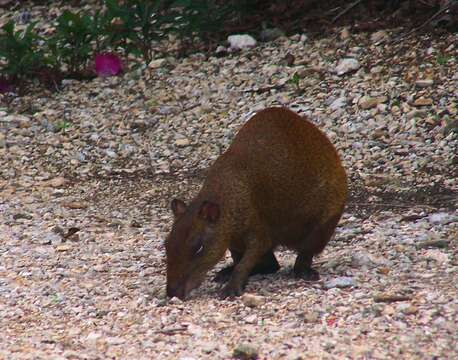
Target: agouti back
(280,182)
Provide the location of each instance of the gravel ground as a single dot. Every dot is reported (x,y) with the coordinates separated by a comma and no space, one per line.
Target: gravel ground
(87,174)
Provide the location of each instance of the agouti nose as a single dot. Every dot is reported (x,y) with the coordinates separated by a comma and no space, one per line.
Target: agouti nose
(176,290)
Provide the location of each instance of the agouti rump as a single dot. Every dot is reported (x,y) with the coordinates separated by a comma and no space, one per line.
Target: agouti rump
(280,182)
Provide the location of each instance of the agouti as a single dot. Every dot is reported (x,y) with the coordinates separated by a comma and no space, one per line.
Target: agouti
(280,182)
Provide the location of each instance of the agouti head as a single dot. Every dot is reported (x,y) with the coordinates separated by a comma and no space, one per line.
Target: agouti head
(191,247)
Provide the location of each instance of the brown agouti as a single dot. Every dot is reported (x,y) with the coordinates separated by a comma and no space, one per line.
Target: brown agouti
(281,182)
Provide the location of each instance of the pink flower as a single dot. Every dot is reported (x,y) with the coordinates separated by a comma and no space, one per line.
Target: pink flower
(107,64)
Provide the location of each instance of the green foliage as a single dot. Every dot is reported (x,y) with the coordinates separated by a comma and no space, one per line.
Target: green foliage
(442,59)
(202,17)
(73,43)
(295,79)
(63,125)
(20,52)
(134,24)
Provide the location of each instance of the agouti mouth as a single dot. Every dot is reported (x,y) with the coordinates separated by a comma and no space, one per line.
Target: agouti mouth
(182,290)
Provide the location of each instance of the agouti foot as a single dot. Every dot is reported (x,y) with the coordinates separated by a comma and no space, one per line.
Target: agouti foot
(224,274)
(230,291)
(308,275)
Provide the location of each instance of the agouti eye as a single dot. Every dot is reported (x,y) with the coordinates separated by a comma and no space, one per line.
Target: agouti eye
(199,250)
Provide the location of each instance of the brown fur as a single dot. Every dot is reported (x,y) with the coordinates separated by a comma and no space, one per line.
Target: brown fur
(281,182)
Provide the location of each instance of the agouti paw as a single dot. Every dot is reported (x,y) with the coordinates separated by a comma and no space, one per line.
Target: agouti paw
(308,275)
(230,291)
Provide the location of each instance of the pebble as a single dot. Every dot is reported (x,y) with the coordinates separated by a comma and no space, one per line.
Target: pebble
(338,103)
(367,102)
(423,102)
(251,300)
(245,351)
(340,282)
(157,63)
(389,298)
(424,83)
(442,218)
(379,36)
(346,65)
(182,142)
(241,41)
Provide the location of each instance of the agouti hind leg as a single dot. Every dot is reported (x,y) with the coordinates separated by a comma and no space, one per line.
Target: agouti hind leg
(267,265)
(314,244)
(303,268)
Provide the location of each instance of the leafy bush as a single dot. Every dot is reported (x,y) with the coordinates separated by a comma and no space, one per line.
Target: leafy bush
(134,24)
(130,25)
(20,52)
(76,38)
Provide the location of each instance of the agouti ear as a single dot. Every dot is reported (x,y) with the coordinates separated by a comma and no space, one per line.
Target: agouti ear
(209,211)
(178,207)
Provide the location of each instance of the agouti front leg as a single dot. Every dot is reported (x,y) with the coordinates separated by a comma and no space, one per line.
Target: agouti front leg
(242,270)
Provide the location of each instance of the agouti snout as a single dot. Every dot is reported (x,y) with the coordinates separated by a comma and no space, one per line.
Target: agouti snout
(280,182)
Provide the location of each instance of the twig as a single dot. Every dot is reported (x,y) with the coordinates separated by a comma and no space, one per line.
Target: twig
(347,9)
(437,14)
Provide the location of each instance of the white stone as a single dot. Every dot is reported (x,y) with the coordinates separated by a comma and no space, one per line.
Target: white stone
(240,42)
(346,65)
(340,282)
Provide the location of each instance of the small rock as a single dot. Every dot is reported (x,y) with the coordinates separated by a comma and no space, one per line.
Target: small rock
(423,83)
(367,102)
(364,259)
(24,216)
(111,153)
(450,127)
(442,218)
(182,142)
(63,247)
(252,300)
(437,255)
(346,65)
(75,205)
(338,103)
(312,317)
(344,34)
(93,337)
(423,102)
(340,282)
(175,300)
(379,36)
(289,59)
(407,309)
(156,63)
(389,298)
(209,347)
(241,42)
(50,238)
(56,182)
(437,243)
(245,352)
(251,319)
(115,341)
